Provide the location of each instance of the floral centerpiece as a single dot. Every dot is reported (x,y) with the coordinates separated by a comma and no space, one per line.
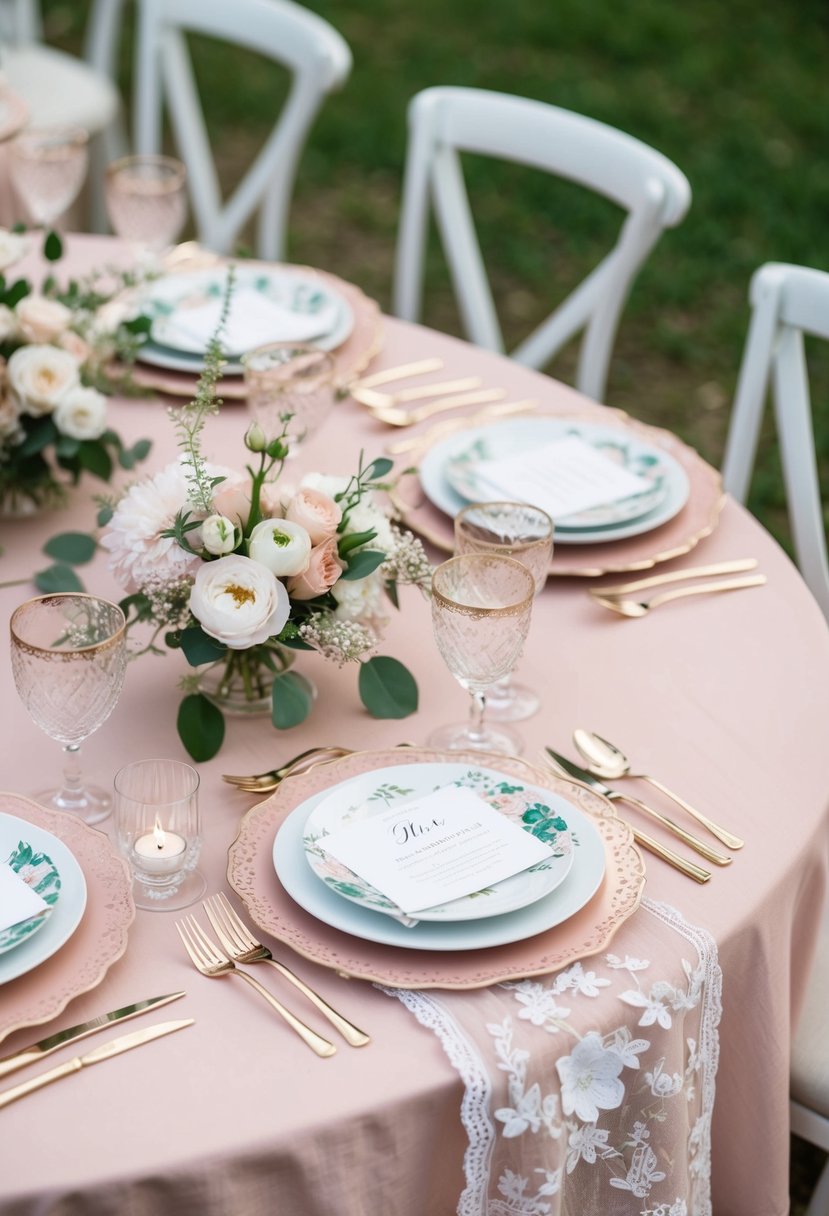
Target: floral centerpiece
(55,346)
(239,572)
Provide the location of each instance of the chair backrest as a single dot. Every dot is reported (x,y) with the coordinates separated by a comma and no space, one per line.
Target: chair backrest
(446,121)
(20,22)
(787,301)
(311,49)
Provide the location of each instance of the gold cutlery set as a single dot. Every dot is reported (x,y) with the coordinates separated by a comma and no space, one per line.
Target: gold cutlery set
(623,598)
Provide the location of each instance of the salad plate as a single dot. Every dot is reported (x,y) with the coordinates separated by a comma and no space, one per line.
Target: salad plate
(540,812)
(41,874)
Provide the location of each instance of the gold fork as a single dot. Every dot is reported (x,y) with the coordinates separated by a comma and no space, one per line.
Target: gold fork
(242,946)
(269,780)
(210,961)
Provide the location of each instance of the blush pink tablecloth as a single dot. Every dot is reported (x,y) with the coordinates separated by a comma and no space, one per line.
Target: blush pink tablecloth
(726,698)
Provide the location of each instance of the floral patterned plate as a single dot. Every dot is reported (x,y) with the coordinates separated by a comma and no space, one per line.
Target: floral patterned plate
(40,873)
(66,912)
(538,811)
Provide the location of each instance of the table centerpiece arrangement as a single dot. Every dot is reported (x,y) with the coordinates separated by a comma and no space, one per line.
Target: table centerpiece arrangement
(56,346)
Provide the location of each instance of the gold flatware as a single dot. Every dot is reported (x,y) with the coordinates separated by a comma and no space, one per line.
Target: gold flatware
(44,1047)
(449,425)
(242,946)
(379,401)
(637,608)
(209,960)
(397,417)
(272,776)
(587,778)
(105,1052)
(605,760)
(402,372)
(689,868)
(738,566)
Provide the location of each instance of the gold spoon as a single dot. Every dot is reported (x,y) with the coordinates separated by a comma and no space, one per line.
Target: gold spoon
(635,608)
(605,760)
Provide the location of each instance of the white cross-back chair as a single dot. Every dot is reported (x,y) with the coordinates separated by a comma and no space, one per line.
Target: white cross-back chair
(319,61)
(446,121)
(787,302)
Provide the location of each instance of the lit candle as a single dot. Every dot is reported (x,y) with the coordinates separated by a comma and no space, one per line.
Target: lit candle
(160,852)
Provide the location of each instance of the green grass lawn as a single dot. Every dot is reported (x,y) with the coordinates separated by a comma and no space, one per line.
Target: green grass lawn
(734,92)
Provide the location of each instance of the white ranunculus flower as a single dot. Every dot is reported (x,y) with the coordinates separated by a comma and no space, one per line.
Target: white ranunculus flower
(238,601)
(81,413)
(281,545)
(42,320)
(218,535)
(39,376)
(12,248)
(8,324)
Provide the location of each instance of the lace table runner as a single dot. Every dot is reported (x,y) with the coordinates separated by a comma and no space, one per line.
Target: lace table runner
(592,1089)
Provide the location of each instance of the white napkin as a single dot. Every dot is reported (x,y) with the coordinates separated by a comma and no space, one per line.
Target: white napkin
(253,320)
(17,900)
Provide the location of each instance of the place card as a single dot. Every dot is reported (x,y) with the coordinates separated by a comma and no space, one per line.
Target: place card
(17,900)
(562,478)
(434,849)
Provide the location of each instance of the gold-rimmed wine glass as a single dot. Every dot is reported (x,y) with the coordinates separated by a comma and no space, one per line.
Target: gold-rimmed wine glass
(48,166)
(511,529)
(146,201)
(69,656)
(481,607)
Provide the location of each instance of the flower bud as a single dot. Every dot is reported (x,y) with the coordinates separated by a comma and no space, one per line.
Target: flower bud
(255,439)
(277,449)
(218,535)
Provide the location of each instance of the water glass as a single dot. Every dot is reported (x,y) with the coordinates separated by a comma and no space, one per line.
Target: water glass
(146,202)
(158,830)
(481,606)
(48,166)
(291,384)
(511,529)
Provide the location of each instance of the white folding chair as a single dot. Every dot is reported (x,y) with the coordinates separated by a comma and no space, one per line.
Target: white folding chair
(787,301)
(312,50)
(446,121)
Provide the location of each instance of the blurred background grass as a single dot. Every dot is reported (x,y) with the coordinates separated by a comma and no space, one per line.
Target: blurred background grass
(735,93)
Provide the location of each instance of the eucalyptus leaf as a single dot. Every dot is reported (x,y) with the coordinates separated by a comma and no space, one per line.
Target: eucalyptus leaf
(291,699)
(52,247)
(57,578)
(199,647)
(74,548)
(104,515)
(201,726)
(128,458)
(379,468)
(363,563)
(387,688)
(95,458)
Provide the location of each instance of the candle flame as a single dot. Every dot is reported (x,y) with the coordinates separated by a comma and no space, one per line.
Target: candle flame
(158,834)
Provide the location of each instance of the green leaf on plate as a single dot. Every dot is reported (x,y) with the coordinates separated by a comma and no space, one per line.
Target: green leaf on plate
(291,699)
(387,688)
(201,726)
(74,548)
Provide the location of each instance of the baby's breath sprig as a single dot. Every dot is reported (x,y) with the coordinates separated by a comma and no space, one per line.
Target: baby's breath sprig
(190,419)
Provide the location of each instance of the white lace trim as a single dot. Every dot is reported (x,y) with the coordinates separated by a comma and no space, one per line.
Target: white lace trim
(465,1058)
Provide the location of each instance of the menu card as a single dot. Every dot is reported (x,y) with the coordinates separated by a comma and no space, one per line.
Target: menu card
(17,900)
(561,478)
(435,849)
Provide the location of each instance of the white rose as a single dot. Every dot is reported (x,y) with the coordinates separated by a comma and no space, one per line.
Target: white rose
(42,320)
(281,545)
(40,376)
(238,601)
(12,248)
(11,432)
(81,413)
(218,535)
(8,324)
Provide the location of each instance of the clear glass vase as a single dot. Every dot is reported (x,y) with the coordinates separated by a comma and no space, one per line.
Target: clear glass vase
(240,684)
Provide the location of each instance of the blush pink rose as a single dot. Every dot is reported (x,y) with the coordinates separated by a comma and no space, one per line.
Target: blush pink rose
(232,500)
(324,568)
(317,512)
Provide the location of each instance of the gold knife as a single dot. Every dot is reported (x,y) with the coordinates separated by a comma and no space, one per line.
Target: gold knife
(30,1055)
(113,1048)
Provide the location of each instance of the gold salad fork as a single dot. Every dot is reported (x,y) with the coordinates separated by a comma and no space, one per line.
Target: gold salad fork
(209,960)
(266,782)
(242,946)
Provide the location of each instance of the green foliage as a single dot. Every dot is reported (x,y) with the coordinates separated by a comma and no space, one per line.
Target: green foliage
(363,563)
(74,548)
(199,647)
(292,697)
(59,577)
(201,726)
(387,688)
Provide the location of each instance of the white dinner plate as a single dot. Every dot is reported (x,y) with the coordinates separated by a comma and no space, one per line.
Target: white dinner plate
(297,291)
(538,811)
(67,912)
(517,434)
(305,889)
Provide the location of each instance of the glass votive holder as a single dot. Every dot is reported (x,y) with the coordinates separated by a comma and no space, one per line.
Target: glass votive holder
(158,829)
(291,384)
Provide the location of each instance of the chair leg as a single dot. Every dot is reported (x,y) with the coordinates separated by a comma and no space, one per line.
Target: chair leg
(819,1203)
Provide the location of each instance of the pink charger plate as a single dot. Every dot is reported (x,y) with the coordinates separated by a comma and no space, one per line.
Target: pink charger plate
(251,874)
